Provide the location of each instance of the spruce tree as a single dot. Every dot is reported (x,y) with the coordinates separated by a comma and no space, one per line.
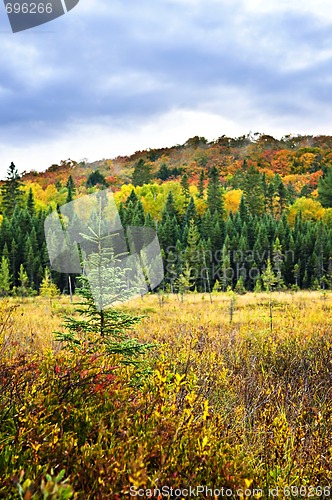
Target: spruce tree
(325,189)
(47,287)
(11,191)
(99,326)
(201,184)
(5,277)
(185,188)
(142,173)
(31,203)
(169,209)
(23,290)
(214,193)
(253,191)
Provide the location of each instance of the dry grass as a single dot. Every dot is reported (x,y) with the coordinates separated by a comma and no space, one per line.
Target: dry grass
(229,402)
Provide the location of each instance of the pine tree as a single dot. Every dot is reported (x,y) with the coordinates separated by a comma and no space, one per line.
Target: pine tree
(240,287)
(201,184)
(11,191)
(94,178)
(138,215)
(185,188)
(31,203)
(191,212)
(142,173)
(253,191)
(47,287)
(99,326)
(169,208)
(132,198)
(227,274)
(268,277)
(184,282)
(243,210)
(325,189)
(5,276)
(191,254)
(164,172)
(214,193)
(278,261)
(23,290)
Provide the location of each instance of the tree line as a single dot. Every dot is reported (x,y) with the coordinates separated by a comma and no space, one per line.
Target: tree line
(201,251)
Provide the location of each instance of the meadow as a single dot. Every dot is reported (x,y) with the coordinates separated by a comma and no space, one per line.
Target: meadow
(234,398)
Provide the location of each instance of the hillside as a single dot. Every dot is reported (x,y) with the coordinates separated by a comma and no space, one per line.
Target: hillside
(224,211)
(299,160)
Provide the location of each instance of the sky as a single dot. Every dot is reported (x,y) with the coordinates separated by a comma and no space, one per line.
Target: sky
(113,77)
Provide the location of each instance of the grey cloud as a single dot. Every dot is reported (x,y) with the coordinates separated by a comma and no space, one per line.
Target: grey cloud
(193,55)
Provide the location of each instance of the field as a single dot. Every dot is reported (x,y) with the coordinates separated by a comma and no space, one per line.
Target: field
(234,398)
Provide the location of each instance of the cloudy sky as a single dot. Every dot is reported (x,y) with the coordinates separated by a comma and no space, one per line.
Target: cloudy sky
(111,77)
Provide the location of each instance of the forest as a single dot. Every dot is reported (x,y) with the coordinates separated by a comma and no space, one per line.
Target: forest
(225,213)
(218,382)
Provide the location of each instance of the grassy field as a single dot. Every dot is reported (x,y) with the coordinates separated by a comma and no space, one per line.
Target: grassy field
(235,397)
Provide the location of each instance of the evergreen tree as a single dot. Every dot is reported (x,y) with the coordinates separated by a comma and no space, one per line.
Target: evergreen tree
(164,172)
(132,198)
(191,212)
(268,277)
(277,262)
(47,287)
(214,193)
(201,184)
(11,191)
(23,290)
(325,189)
(226,269)
(70,189)
(31,203)
(191,254)
(253,191)
(142,173)
(94,178)
(169,208)
(98,325)
(138,215)
(5,276)
(243,210)
(185,188)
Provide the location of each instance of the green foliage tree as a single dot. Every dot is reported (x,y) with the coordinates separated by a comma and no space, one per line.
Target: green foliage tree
(184,282)
(98,326)
(185,187)
(164,172)
(325,189)
(142,173)
(11,191)
(201,184)
(269,280)
(23,290)
(95,178)
(70,189)
(47,287)
(214,193)
(5,277)
(31,203)
(253,191)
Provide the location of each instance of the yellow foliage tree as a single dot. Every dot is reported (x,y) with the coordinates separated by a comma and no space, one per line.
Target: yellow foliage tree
(232,200)
(310,209)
